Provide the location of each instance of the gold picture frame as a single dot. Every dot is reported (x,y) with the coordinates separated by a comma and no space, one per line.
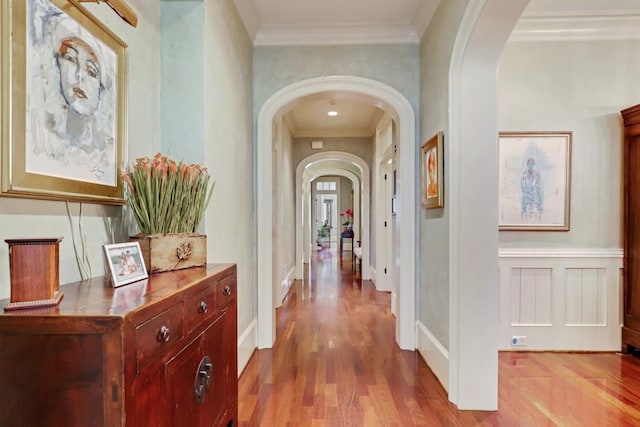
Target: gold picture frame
(63,91)
(534,181)
(432,176)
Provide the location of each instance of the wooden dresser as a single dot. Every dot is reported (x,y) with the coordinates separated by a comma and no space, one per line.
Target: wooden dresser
(631,155)
(159,352)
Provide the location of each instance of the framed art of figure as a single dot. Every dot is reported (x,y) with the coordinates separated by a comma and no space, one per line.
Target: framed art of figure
(63,103)
(432,181)
(535,180)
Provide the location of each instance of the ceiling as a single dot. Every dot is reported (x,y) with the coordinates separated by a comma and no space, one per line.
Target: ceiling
(343,22)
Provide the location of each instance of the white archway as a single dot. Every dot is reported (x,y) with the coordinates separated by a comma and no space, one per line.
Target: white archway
(364,193)
(473,217)
(400,109)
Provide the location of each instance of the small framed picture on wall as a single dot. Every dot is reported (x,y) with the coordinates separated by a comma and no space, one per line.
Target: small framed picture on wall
(432,177)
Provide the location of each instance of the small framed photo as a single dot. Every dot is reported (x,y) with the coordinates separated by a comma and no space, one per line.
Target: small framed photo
(535,181)
(432,181)
(126,264)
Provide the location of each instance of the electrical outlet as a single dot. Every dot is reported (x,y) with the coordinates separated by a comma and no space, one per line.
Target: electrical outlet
(518,341)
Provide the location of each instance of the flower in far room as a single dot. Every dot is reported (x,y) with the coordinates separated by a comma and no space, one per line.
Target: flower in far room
(347,219)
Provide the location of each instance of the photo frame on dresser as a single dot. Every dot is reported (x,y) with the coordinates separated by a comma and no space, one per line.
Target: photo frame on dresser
(534,180)
(126,264)
(63,103)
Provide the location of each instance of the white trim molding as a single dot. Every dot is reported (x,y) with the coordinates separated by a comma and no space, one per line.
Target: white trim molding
(612,25)
(433,353)
(560,253)
(247,344)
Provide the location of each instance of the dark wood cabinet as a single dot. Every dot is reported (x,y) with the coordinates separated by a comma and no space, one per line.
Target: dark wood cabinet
(160,352)
(631,304)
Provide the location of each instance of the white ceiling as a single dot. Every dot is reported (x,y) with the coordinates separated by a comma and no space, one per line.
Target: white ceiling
(343,22)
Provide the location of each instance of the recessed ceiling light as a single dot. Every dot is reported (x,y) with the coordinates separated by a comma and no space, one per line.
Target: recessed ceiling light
(332,113)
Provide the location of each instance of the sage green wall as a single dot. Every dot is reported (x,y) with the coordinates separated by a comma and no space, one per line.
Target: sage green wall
(435,57)
(276,67)
(228,149)
(24,218)
(182,77)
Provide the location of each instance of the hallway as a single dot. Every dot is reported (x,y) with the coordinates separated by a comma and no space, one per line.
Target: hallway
(335,363)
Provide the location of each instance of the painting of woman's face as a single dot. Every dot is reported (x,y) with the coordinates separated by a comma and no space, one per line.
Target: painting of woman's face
(80,75)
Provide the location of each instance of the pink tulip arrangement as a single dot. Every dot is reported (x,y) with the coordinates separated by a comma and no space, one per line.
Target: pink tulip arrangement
(167,196)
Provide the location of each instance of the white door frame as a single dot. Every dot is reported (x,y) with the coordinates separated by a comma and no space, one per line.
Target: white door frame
(402,112)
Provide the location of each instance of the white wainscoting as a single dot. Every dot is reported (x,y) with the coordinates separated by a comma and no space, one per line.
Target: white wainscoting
(560,299)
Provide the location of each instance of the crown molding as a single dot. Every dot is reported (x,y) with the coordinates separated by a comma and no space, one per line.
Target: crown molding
(612,25)
(336,34)
(249,16)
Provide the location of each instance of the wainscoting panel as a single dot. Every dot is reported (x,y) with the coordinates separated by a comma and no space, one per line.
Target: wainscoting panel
(530,296)
(560,299)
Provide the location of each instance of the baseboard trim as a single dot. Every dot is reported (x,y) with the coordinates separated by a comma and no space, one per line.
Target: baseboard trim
(433,353)
(247,344)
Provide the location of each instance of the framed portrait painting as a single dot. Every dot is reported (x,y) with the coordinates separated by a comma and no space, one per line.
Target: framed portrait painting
(432,177)
(126,264)
(535,180)
(63,103)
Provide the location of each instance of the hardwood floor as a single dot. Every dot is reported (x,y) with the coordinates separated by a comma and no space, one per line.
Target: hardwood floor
(335,363)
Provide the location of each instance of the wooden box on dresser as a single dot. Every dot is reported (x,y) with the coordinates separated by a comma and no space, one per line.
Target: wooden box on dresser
(631,304)
(159,352)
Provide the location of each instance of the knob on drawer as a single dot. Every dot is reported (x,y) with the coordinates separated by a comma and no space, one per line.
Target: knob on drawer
(202,307)
(227,290)
(163,334)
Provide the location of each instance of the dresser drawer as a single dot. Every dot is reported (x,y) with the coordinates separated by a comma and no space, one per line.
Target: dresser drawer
(156,335)
(200,307)
(226,291)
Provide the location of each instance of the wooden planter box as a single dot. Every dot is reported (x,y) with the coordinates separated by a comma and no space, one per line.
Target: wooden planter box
(165,252)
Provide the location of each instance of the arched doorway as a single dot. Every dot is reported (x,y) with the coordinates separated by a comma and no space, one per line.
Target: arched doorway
(363,192)
(401,111)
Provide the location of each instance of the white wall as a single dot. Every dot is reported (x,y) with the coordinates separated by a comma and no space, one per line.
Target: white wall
(24,218)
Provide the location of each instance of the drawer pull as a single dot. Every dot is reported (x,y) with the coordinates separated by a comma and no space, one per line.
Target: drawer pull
(163,334)
(227,290)
(202,307)
(203,379)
